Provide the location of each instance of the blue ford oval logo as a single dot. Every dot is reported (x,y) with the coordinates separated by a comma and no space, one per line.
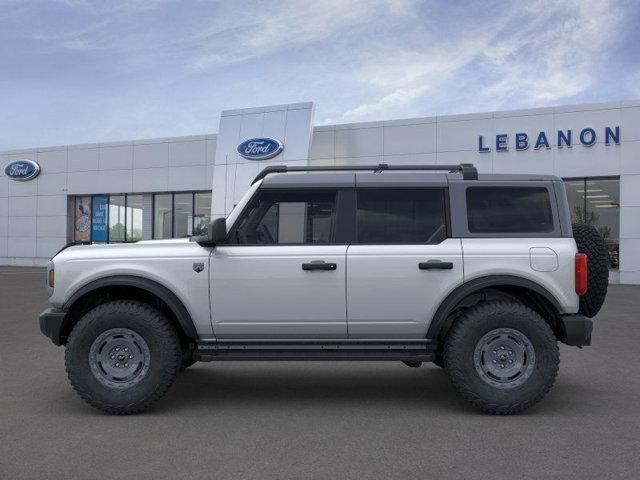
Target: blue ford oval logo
(260,148)
(22,170)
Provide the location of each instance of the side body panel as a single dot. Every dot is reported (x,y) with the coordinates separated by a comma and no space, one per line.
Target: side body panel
(263,291)
(389,296)
(167,262)
(548,262)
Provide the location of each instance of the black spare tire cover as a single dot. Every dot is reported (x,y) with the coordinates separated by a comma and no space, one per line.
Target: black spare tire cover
(590,242)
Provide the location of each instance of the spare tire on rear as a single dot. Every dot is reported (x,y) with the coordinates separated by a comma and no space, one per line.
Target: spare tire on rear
(591,243)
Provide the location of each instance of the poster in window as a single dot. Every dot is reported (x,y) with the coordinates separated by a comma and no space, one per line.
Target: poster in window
(99,209)
(82,220)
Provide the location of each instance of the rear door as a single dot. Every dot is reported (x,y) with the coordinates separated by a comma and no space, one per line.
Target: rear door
(402,263)
(282,274)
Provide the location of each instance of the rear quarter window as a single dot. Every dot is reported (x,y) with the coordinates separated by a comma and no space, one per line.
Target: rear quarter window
(509,210)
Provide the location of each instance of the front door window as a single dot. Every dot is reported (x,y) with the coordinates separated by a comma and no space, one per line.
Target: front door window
(288,218)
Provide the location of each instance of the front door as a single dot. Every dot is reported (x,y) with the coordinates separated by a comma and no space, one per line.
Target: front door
(401,264)
(281,273)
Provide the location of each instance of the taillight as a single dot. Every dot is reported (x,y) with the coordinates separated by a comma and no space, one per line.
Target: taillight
(581,273)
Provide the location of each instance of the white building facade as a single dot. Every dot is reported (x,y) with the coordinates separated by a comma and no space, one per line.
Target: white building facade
(171,187)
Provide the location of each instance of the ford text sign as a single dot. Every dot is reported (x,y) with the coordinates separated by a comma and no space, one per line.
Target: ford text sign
(260,148)
(22,170)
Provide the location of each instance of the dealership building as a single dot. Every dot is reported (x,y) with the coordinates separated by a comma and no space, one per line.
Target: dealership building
(171,187)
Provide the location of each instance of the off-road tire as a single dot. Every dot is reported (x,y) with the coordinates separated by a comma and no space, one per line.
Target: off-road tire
(467,332)
(589,241)
(413,363)
(165,355)
(187,358)
(438,360)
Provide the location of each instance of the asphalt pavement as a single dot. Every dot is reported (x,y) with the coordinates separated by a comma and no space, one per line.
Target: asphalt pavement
(317,420)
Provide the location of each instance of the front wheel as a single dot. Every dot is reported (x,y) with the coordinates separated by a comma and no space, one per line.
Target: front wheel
(122,356)
(502,357)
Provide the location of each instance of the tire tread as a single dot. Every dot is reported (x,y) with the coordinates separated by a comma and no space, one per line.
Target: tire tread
(165,332)
(590,241)
(459,334)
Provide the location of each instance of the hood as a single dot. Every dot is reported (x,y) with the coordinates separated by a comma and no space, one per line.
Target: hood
(143,248)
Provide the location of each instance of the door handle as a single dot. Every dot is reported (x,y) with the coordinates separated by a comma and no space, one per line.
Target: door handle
(319,265)
(435,265)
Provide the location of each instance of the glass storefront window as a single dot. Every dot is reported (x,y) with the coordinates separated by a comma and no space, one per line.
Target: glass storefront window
(99,216)
(82,219)
(134,218)
(201,212)
(117,218)
(182,215)
(596,202)
(162,215)
(108,218)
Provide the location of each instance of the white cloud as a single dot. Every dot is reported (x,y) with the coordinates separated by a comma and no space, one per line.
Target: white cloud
(543,51)
(406,76)
(555,63)
(165,67)
(398,98)
(254,33)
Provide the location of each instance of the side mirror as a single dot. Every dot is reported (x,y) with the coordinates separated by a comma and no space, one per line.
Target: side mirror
(218,231)
(216,234)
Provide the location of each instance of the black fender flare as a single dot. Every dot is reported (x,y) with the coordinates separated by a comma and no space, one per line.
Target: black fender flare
(163,293)
(439,319)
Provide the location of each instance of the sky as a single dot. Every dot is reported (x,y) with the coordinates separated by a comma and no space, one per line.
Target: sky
(80,71)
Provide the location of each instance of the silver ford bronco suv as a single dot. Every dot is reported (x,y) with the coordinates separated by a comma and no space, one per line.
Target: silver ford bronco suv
(482,275)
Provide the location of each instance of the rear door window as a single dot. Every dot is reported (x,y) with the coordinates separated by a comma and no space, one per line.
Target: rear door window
(402,215)
(509,210)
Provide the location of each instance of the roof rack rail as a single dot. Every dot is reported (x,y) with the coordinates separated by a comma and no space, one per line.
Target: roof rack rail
(469,172)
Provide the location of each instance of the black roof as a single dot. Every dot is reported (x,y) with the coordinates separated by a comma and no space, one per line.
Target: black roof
(282,176)
(468,171)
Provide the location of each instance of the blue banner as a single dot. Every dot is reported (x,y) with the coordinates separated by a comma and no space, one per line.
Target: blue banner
(99,206)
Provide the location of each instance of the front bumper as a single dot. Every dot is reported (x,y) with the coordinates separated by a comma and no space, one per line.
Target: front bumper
(576,330)
(51,323)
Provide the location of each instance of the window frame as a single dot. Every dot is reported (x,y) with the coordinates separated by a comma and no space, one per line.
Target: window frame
(445,205)
(124,236)
(459,223)
(585,202)
(174,217)
(173,210)
(126,217)
(584,183)
(126,196)
(73,234)
(519,193)
(338,231)
(108,195)
(345,221)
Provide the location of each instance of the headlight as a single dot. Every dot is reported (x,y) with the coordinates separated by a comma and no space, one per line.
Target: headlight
(51,278)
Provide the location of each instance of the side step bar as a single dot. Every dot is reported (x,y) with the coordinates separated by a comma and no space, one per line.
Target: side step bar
(297,350)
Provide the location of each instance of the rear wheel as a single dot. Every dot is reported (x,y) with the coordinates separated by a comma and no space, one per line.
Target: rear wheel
(122,356)
(502,357)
